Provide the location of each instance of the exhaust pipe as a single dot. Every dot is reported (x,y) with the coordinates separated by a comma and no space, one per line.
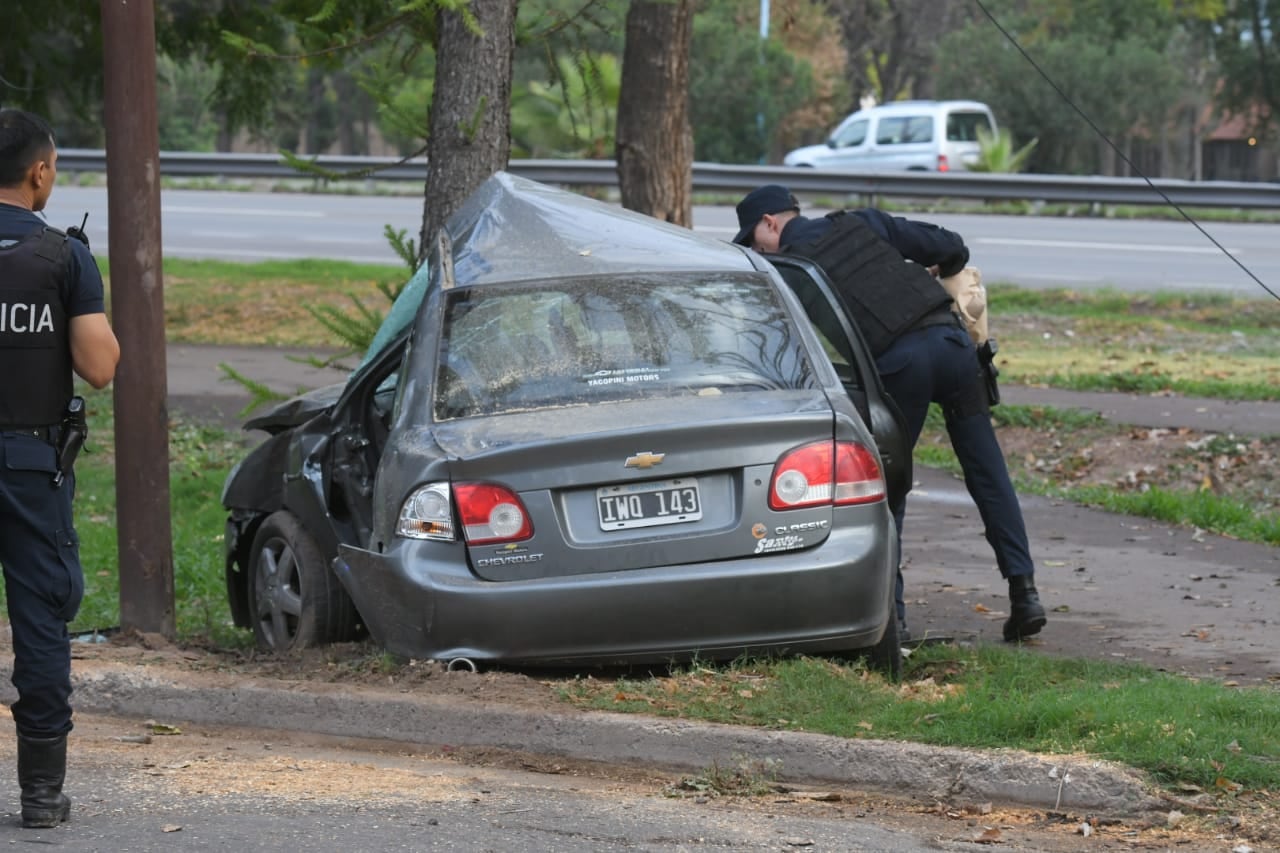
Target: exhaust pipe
(461,665)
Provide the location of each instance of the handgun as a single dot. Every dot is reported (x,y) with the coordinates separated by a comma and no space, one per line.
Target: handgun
(75,429)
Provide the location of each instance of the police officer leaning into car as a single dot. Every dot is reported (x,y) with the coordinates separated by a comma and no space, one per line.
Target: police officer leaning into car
(52,321)
(923,354)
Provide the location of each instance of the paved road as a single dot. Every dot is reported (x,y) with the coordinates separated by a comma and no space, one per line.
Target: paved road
(213,787)
(1032,251)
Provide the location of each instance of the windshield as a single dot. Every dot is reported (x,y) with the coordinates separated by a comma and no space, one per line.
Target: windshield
(567,342)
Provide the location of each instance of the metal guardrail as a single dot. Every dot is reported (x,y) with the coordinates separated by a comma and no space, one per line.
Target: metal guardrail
(709,177)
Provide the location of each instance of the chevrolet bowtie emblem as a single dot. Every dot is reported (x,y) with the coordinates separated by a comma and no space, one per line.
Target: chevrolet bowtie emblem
(644,460)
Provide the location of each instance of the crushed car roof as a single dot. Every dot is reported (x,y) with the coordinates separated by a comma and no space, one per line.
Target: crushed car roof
(513,229)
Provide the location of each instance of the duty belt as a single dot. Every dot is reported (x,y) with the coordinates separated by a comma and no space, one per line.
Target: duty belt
(44,433)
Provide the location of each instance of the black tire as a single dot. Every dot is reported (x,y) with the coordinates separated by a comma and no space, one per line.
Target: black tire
(295,600)
(885,657)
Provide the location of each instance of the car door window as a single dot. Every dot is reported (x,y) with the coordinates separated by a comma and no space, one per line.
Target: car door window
(855,133)
(919,129)
(890,131)
(829,325)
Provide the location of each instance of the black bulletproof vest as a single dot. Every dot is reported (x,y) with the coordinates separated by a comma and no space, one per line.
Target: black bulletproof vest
(35,340)
(883,293)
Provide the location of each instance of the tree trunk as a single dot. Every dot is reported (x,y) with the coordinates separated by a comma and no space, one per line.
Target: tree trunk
(470,121)
(896,38)
(654,136)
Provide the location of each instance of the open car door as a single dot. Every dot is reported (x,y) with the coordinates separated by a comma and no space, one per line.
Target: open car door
(361,425)
(856,367)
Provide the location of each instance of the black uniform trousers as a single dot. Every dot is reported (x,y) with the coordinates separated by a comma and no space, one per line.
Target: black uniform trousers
(43,581)
(938,364)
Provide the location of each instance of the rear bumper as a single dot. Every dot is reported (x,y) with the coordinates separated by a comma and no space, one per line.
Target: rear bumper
(419,599)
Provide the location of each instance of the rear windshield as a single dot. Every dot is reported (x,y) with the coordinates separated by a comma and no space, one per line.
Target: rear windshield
(963,127)
(570,342)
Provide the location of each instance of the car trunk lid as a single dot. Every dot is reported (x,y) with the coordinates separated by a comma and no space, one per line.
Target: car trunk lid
(638,485)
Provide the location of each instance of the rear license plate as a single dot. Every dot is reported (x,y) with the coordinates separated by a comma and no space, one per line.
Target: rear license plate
(649,504)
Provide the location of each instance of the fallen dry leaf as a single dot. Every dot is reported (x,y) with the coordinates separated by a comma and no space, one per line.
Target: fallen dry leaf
(1222,783)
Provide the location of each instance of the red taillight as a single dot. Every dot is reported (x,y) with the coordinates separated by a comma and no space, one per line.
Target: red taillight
(826,472)
(858,477)
(491,513)
(943,166)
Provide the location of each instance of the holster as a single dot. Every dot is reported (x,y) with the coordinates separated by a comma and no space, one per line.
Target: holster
(71,438)
(990,373)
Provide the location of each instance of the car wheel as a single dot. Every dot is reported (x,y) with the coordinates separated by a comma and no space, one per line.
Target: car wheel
(885,656)
(295,601)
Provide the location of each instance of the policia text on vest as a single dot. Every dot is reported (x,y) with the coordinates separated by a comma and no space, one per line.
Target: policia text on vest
(25,318)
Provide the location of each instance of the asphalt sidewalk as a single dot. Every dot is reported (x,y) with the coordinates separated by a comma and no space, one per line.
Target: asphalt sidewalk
(1118,588)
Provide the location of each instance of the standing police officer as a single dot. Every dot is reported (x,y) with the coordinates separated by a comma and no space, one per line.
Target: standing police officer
(922,353)
(52,321)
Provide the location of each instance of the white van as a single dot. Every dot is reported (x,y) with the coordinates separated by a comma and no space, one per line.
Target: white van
(934,136)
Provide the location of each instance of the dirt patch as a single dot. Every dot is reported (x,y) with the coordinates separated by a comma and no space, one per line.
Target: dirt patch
(1137,459)
(359,663)
(1178,459)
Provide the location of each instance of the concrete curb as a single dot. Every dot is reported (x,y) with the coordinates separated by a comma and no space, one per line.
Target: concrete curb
(1006,776)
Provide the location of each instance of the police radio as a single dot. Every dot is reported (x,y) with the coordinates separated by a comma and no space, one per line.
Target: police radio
(77,231)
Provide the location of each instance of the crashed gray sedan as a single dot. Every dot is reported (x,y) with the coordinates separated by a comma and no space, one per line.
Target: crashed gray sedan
(582,435)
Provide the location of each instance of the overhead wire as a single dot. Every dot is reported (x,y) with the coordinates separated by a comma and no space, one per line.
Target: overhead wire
(1014,41)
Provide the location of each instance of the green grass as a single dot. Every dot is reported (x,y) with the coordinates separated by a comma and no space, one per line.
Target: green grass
(1205,345)
(200,459)
(308,270)
(1206,510)
(1155,383)
(1214,513)
(270,303)
(1207,312)
(1182,732)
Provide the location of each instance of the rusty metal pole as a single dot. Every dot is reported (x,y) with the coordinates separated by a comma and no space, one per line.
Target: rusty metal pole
(137,314)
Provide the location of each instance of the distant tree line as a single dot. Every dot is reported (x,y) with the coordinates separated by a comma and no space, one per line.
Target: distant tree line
(357,76)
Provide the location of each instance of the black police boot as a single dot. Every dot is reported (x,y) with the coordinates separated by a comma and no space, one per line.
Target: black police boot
(42,766)
(1027,613)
